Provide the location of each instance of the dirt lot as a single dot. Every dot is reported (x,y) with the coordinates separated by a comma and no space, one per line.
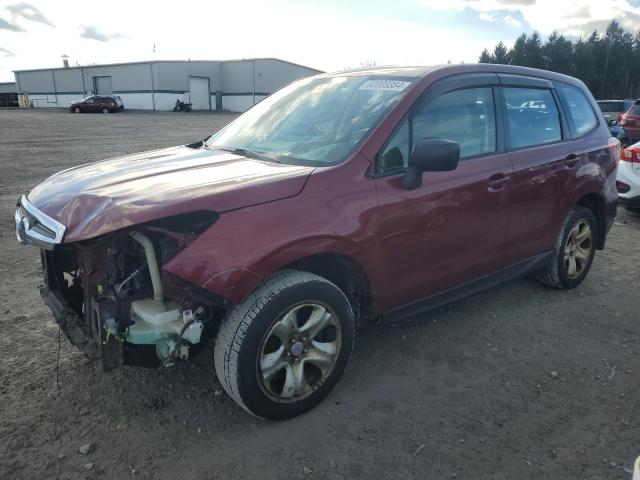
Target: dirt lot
(466,391)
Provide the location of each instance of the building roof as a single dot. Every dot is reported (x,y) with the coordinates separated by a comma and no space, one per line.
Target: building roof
(71,67)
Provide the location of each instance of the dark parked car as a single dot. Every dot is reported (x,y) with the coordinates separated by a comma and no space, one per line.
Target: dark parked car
(339,199)
(98,104)
(618,132)
(613,109)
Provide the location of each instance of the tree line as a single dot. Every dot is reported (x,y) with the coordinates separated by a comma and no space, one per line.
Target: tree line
(608,64)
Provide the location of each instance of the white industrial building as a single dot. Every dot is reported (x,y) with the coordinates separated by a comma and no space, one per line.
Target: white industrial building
(233,85)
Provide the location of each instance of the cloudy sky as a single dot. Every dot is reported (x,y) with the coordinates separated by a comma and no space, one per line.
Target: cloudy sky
(325,34)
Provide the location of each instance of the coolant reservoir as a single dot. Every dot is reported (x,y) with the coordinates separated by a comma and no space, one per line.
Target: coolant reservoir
(163,324)
(155,312)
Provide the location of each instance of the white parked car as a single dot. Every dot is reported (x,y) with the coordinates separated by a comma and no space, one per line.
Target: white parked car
(628,179)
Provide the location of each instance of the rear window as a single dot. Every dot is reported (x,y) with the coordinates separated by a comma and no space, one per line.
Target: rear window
(608,107)
(533,117)
(582,118)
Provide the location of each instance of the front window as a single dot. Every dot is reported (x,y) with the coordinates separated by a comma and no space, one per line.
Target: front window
(316,121)
(465,116)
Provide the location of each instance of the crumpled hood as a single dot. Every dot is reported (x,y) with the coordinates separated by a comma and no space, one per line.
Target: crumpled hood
(102,197)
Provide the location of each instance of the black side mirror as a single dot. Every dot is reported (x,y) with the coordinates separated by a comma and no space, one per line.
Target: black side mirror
(613,123)
(430,155)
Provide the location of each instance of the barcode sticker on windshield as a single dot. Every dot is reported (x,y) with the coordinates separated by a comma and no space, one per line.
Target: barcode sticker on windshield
(392,85)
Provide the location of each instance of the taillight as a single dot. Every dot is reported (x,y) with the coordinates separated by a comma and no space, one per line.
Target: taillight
(630,155)
(622,187)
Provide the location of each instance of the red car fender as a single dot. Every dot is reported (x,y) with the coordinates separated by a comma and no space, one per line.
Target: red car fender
(236,284)
(247,245)
(595,177)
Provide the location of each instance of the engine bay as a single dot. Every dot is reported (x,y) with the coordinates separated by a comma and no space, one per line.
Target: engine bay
(112,299)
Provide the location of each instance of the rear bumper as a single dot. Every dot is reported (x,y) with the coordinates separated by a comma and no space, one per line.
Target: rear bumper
(633,202)
(630,177)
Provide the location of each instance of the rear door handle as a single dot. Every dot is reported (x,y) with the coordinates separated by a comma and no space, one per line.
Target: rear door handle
(571,160)
(497,182)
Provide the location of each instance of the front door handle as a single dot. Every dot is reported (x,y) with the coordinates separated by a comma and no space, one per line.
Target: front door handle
(497,182)
(571,160)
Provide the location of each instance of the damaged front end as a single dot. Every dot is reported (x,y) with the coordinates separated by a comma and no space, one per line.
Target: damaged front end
(113,301)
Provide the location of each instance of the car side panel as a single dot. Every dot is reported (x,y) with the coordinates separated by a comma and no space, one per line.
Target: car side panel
(335,213)
(539,179)
(545,189)
(447,232)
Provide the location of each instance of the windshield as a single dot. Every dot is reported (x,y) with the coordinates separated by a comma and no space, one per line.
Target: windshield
(317,121)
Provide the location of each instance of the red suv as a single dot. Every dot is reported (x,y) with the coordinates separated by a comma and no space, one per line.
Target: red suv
(339,199)
(630,121)
(97,104)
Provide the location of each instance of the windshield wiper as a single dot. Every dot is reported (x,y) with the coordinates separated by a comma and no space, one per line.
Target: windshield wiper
(250,153)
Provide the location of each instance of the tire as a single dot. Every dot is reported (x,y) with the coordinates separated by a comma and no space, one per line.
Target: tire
(558,273)
(248,347)
(187,109)
(105,110)
(76,110)
(175,109)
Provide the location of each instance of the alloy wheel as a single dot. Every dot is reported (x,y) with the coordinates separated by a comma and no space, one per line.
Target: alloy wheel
(299,352)
(578,249)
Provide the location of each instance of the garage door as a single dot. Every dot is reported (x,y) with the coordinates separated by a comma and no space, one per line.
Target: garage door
(103,85)
(199,93)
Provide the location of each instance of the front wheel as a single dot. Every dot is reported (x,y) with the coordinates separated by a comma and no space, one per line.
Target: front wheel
(187,109)
(76,110)
(574,251)
(281,351)
(105,110)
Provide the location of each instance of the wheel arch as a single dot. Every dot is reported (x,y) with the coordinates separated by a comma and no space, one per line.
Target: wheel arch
(597,204)
(342,261)
(346,273)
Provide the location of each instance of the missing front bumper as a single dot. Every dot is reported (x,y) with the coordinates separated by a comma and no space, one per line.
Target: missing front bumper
(71,324)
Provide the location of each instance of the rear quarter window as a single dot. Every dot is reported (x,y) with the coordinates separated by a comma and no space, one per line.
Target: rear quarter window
(635,110)
(581,116)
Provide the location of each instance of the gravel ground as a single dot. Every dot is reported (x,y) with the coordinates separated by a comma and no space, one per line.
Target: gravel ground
(517,382)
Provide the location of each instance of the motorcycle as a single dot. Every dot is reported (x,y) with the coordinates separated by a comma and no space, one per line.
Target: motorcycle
(182,106)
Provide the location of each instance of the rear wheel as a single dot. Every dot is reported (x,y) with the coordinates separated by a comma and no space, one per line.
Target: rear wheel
(105,110)
(281,351)
(574,251)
